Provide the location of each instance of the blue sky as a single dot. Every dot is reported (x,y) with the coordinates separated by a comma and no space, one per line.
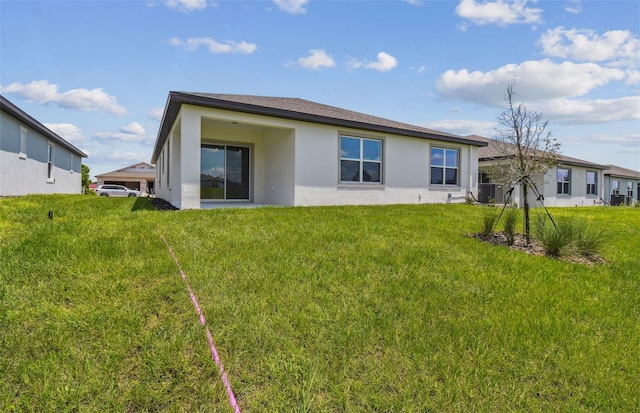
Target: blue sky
(98,72)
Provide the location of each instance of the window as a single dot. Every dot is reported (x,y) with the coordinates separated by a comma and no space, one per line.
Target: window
(72,161)
(564,181)
(225,172)
(50,154)
(23,142)
(444,166)
(615,187)
(592,183)
(360,160)
(168,163)
(630,189)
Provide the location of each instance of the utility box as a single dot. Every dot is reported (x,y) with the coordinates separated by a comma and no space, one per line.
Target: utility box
(617,200)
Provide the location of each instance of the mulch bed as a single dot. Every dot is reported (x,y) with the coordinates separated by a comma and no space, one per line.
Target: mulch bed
(162,205)
(535,248)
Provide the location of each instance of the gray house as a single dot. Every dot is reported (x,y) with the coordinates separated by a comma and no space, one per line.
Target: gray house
(33,159)
(621,185)
(571,182)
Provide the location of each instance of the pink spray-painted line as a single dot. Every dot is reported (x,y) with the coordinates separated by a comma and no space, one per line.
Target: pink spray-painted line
(212,346)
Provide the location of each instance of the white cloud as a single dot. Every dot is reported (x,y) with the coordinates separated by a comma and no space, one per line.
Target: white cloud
(574,7)
(588,111)
(499,12)
(628,139)
(117,136)
(384,63)
(292,6)
(193,43)
(545,86)
(318,58)
(633,77)
(131,133)
(67,131)
(535,81)
(414,2)
(186,6)
(123,157)
(156,113)
(353,63)
(620,47)
(463,127)
(41,91)
(134,128)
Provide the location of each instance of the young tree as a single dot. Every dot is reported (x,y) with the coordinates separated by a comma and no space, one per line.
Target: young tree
(86,179)
(525,146)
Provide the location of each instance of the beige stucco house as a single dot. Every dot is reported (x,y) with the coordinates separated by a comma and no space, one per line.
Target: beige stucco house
(215,149)
(140,176)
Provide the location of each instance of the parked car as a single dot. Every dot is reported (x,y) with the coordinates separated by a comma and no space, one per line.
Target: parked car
(116,190)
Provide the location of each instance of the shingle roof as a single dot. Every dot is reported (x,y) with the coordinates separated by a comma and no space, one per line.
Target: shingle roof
(295,109)
(131,171)
(621,172)
(22,116)
(491,152)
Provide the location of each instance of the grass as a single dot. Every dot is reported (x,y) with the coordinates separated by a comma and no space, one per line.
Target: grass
(569,236)
(388,308)
(511,217)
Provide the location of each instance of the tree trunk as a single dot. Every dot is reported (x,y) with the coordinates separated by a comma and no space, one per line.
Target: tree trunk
(527,226)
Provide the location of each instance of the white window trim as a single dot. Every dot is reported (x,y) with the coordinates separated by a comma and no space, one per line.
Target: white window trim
(23,142)
(445,167)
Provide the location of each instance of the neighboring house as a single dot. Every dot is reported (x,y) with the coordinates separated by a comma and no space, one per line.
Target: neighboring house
(140,176)
(33,159)
(621,185)
(214,148)
(572,182)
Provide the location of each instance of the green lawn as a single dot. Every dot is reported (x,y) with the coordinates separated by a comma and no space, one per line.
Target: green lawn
(387,309)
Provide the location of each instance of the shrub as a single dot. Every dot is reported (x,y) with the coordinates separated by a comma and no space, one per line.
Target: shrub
(510,222)
(588,239)
(556,240)
(569,237)
(489,219)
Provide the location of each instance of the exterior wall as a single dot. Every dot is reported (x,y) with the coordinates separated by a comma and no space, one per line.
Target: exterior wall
(623,182)
(27,173)
(298,163)
(279,175)
(406,170)
(547,184)
(578,187)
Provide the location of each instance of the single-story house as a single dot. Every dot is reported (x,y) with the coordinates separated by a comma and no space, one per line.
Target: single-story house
(140,176)
(571,182)
(33,159)
(621,185)
(214,149)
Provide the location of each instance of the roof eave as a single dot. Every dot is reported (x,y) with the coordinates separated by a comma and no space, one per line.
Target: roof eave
(24,117)
(176,99)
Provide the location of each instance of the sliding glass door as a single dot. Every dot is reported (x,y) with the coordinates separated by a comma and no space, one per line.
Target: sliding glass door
(224,172)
